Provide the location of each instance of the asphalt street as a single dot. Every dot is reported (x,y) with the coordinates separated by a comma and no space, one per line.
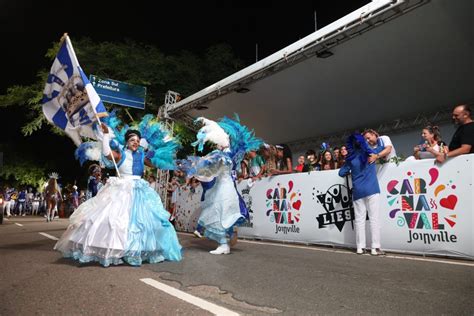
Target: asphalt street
(257,278)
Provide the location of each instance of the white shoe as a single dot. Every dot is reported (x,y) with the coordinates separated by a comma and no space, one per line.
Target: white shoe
(360,251)
(197,234)
(377,252)
(223,249)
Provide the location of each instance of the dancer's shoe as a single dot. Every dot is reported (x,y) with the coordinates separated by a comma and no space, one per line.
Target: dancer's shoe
(223,249)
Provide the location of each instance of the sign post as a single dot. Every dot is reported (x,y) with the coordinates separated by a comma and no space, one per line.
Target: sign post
(118,92)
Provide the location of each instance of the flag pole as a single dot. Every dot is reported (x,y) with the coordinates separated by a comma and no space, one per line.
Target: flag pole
(65,37)
(68,41)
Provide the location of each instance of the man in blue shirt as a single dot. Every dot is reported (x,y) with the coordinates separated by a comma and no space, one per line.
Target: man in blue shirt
(365,191)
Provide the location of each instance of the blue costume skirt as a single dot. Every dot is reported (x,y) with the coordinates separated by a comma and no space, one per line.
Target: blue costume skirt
(220,210)
(124,222)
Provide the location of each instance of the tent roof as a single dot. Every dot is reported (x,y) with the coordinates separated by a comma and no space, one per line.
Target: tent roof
(389,59)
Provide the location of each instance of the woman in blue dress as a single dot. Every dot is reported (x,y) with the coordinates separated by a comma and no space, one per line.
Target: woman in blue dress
(222,206)
(125,221)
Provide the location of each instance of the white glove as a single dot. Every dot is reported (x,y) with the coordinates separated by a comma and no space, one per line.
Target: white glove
(106,145)
(144,143)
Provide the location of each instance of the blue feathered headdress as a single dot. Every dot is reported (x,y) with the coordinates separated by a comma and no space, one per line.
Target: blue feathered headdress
(242,140)
(357,147)
(161,146)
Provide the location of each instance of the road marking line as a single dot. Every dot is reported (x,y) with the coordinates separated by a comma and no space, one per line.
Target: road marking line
(199,302)
(347,252)
(18,224)
(49,236)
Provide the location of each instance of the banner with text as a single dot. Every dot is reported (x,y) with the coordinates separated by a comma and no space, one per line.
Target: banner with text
(118,92)
(426,208)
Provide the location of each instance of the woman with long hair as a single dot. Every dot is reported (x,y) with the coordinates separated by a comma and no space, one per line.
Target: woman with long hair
(431,145)
(342,156)
(284,164)
(52,194)
(327,161)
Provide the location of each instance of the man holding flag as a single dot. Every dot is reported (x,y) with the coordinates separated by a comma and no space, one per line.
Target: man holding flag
(69,100)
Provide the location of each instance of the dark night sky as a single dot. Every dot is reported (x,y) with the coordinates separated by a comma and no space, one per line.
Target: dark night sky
(28,28)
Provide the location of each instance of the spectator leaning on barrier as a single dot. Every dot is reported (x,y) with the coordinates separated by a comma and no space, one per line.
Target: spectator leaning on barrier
(256,165)
(242,169)
(327,161)
(336,152)
(463,139)
(342,156)
(432,144)
(268,153)
(284,164)
(381,145)
(299,167)
(312,163)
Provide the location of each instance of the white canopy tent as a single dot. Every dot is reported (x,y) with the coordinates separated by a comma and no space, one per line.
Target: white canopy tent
(387,61)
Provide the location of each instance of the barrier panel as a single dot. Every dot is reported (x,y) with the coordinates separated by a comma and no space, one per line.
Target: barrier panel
(426,208)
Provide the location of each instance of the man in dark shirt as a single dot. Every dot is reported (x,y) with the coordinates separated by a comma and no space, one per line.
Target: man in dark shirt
(463,139)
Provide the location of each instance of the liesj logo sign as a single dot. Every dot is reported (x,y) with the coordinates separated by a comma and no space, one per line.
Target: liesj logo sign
(337,202)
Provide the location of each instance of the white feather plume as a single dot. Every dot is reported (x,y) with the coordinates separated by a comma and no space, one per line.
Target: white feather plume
(212,132)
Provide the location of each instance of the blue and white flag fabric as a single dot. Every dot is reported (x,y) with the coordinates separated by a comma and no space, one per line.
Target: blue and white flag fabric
(69,100)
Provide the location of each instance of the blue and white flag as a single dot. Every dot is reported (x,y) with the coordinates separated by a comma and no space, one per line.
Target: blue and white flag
(69,100)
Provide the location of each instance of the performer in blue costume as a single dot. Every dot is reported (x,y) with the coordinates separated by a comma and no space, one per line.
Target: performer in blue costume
(125,221)
(365,191)
(222,206)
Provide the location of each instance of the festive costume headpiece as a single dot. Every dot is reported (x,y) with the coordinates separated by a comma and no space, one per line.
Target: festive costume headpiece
(153,137)
(130,133)
(357,147)
(54,175)
(210,132)
(228,133)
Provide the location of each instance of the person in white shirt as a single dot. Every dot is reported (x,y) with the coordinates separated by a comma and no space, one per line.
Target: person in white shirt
(382,146)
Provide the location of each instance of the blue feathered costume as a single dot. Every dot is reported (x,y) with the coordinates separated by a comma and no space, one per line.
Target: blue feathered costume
(222,205)
(125,221)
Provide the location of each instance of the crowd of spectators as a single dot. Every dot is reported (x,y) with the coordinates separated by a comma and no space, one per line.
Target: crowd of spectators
(31,201)
(272,160)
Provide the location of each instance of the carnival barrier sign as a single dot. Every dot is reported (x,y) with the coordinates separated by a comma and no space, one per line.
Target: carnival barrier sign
(426,208)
